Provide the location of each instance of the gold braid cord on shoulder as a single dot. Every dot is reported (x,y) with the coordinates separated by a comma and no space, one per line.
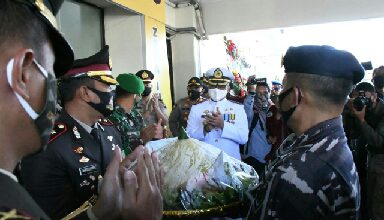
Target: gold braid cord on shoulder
(86,205)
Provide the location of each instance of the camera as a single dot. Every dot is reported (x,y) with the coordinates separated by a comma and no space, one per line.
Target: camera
(361,101)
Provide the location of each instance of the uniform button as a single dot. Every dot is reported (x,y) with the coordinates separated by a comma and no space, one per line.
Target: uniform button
(216,140)
(93,187)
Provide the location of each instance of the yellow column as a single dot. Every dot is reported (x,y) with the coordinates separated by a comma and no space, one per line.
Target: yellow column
(157,59)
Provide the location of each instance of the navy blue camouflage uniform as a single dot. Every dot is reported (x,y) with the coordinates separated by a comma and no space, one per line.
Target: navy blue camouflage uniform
(315,177)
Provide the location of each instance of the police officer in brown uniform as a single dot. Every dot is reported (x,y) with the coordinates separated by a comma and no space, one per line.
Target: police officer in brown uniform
(151,106)
(179,115)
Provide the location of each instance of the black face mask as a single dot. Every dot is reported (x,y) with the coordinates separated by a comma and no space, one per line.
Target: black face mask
(147,91)
(286,115)
(43,121)
(105,107)
(194,95)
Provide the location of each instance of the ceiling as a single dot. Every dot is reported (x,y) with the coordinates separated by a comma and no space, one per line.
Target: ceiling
(179,1)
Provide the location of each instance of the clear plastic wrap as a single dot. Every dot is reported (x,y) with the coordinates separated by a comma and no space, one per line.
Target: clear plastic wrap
(200,178)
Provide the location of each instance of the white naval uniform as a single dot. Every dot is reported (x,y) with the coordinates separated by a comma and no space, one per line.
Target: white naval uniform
(235,129)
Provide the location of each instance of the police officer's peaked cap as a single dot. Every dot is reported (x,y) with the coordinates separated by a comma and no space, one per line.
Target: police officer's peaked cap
(97,66)
(194,81)
(219,76)
(262,82)
(145,75)
(130,83)
(323,60)
(46,10)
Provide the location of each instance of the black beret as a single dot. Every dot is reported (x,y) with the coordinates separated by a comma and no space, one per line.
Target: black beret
(365,86)
(46,10)
(323,60)
(145,75)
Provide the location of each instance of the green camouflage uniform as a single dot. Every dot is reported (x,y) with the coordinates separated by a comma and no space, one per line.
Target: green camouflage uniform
(129,126)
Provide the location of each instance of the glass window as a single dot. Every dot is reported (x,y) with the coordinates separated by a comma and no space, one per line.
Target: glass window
(82,25)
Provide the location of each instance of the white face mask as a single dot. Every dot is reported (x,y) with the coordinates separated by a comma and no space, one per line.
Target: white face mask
(217,94)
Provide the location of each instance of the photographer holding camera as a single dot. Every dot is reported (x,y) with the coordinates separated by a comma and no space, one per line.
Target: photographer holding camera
(367,133)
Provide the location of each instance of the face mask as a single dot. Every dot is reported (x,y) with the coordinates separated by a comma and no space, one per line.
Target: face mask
(45,120)
(217,94)
(252,93)
(286,115)
(147,91)
(105,107)
(193,95)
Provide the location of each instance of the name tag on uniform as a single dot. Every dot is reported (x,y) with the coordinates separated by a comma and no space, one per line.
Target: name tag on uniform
(87,170)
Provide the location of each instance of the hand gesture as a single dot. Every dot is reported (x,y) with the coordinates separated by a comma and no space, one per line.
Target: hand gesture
(216,119)
(142,198)
(155,102)
(153,131)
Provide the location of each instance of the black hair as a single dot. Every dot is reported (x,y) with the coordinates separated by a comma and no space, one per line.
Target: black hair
(68,87)
(365,86)
(327,91)
(18,23)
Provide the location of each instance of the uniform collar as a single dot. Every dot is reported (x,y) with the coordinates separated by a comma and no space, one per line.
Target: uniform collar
(329,127)
(85,126)
(9,174)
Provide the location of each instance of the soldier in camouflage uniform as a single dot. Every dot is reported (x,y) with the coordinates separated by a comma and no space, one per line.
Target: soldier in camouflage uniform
(127,119)
(179,115)
(314,177)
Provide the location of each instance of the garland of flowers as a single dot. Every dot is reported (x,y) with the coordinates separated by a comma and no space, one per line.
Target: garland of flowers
(236,60)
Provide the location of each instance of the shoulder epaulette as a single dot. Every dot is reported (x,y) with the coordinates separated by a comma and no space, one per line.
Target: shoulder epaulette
(58,130)
(8,213)
(106,122)
(236,102)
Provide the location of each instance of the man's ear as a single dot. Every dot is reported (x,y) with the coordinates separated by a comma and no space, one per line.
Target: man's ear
(295,97)
(83,93)
(23,68)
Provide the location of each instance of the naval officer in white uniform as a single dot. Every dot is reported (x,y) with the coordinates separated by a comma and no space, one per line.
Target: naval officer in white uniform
(218,121)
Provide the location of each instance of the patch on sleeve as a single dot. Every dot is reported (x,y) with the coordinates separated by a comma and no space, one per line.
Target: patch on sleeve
(58,130)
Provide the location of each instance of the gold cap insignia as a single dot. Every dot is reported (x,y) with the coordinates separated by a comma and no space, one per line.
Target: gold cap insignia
(46,12)
(193,81)
(144,75)
(218,73)
(110,63)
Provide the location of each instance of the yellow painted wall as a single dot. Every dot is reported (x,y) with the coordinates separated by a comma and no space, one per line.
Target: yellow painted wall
(145,7)
(155,43)
(157,59)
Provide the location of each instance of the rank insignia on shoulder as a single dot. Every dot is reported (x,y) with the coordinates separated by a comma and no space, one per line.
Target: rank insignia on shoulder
(236,102)
(78,150)
(84,159)
(58,130)
(6,213)
(105,122)
(76,132)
